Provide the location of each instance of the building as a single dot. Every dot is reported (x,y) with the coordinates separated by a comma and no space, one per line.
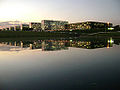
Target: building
(7,29)
(9,24)
(17,28)
(34,26)
(53,25)
(24,27)
(88,25)
(11,28)
(117,26)
(14,28)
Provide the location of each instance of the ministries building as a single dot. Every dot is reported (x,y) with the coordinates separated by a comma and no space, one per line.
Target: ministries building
(88,25)
(53,25)
(35,26)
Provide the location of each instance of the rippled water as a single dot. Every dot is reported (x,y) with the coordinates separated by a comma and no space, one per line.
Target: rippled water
(60,64)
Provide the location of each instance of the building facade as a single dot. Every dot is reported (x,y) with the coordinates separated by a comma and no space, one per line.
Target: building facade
(34,26)
(11,28)
(53,25)
(17,28)
(88,25)
(24,27)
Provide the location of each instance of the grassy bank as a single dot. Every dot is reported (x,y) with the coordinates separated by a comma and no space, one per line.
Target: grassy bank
(28,34)
(7,34)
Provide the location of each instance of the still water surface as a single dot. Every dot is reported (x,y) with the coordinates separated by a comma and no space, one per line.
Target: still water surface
(62,64)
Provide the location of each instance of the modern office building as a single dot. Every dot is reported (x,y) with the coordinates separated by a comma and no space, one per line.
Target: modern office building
(34,26)
(88,25)
(53,25)
(7,29)
(9,24)
(17,28)
(117,27)
(24,27)
(11,28)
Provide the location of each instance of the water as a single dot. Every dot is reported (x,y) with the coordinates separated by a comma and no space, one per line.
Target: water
(60,64)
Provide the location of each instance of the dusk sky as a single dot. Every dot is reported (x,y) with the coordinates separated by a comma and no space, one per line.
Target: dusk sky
(70,10)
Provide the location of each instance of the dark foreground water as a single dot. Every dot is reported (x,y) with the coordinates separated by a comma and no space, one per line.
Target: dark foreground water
(60,64)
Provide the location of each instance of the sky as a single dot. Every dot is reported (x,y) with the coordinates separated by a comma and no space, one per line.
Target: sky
(68,10)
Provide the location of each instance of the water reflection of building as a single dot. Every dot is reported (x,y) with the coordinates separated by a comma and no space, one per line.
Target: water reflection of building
(53,45)
(110,43)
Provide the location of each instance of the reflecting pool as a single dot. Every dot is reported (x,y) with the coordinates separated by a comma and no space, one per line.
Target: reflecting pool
(60,64)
